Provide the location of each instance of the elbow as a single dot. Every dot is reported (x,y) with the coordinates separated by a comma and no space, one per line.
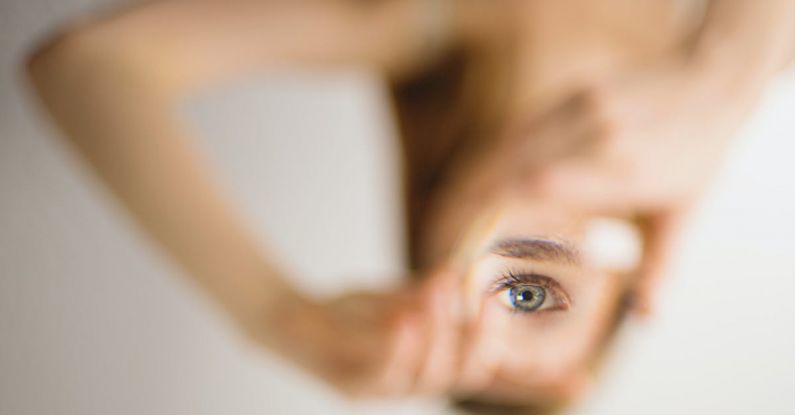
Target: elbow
(59,55)
(36,61)
(84,56)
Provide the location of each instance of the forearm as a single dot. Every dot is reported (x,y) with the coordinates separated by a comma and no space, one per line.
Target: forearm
(745,42)
(124,123)
(113,84)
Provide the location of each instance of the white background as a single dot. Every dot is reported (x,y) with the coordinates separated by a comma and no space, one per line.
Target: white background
(93,320)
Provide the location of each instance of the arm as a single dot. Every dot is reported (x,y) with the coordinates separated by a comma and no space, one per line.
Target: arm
(741,46)
(113,86)
(745,42)
(647,143)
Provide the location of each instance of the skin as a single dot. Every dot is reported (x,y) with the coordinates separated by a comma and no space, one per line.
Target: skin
(615,121)
(541,355)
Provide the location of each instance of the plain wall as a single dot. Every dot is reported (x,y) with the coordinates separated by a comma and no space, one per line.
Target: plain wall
(93,320)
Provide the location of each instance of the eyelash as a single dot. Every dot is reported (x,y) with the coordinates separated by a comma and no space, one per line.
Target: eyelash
(513,278)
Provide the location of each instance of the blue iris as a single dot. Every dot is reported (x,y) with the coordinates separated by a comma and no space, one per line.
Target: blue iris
(527,297)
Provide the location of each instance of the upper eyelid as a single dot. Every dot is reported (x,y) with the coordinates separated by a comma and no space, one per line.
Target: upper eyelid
(511,277)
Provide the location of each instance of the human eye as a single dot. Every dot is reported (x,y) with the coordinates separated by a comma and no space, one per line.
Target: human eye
(530,293)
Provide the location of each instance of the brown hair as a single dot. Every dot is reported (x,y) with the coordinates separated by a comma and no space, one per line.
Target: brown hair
(448,116)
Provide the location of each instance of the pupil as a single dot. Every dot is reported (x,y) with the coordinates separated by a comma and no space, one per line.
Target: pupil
(526,295)
(527,298)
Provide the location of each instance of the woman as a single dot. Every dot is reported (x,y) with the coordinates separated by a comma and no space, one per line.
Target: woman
(521,124)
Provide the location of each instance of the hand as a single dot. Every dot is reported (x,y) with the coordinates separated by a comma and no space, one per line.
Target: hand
(414,341)
(641,148)
(645,148)
(632,145)
(378,344)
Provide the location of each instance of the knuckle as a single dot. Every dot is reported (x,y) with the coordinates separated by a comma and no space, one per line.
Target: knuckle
(357,392)
(606,136)
(604,125)
(546,183)
(598,102)
(594,99)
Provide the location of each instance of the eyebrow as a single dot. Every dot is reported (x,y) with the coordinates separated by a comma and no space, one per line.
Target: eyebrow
(537,249)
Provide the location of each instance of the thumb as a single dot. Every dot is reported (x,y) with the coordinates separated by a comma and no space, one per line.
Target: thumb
(660,231)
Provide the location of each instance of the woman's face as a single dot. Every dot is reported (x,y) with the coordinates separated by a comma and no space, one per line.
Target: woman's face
(541,292)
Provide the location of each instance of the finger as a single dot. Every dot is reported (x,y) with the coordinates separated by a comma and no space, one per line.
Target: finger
(593,185)
(401,359)
(437,372)
(562,132)
(660,231)
(551,389)
(481,351)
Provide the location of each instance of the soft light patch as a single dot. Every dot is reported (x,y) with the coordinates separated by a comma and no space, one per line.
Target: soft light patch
(612,244)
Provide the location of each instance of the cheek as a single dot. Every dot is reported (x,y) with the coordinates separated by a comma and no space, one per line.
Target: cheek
(541,351)
(533,363)
(542,348)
